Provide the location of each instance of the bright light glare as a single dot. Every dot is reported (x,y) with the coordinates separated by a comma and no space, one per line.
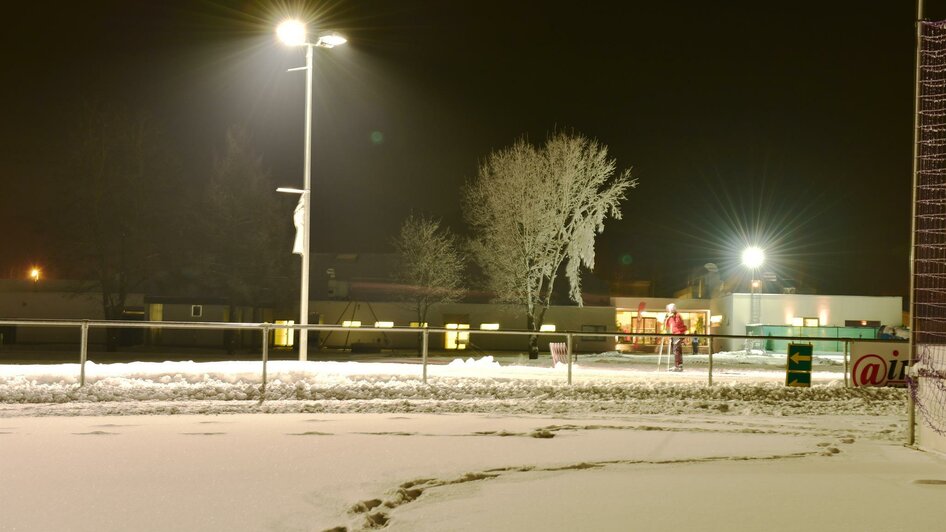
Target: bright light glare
(331,40)
(291,32)
(34,274)
(753,257)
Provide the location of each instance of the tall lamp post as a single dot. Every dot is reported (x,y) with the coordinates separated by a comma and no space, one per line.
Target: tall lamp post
(753,258)
(293,33)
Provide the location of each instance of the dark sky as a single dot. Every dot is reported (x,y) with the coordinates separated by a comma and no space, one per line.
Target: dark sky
(787,124)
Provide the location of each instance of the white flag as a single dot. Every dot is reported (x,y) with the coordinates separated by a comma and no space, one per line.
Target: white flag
(298,220)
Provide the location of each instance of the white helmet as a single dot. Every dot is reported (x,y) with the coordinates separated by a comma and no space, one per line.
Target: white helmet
(671,308)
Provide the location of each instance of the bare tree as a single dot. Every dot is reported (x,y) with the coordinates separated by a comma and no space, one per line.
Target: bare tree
(429,263)
(535,210)
(120,201)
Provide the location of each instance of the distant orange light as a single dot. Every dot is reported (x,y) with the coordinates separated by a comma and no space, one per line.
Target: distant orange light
(34,274)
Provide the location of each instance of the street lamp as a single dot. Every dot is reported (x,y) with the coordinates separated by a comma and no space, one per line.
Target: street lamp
(34,274)
(753,258)
(293,33)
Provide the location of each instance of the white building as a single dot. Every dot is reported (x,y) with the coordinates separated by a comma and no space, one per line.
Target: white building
(779,315)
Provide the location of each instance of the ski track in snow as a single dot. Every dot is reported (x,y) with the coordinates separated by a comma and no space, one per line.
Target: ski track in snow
(376,513)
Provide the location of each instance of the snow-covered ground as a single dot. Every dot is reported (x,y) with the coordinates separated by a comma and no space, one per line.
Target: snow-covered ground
(488,444)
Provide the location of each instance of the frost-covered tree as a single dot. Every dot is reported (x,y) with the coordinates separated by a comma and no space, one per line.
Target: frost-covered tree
(534,211)
(430,264)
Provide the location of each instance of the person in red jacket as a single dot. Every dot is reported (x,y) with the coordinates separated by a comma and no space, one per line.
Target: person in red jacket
(674,325)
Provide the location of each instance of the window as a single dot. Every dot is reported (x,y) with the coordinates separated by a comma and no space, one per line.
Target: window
(632,322)
(385,324)
(798,322)
(156,313)
(197,311)
(418,324)
(489,326)
(458,337)
(284,337)
(812,322)
(547,327)
(592,328)
(351,323)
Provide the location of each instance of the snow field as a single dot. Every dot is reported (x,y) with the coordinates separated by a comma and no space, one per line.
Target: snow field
(351,446)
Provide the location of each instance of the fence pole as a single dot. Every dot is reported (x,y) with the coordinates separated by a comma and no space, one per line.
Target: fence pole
(847,346)
(83,351)
(568,355)
(710,377)
(424,352)
(262,390)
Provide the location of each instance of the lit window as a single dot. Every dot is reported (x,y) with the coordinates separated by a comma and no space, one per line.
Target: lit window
(812,322)
(418,324)
(458,337)
(197,311)
(489,326)
(351,323)
(798,322)
(716,320)
(284,337)
(547,327)
(384,324)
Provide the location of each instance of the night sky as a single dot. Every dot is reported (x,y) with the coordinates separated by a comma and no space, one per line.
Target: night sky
(787,124)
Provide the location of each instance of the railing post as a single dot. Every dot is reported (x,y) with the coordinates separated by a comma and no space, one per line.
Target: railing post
(710,351)
(262,390)
(83,351)
(847,346)
(424,341)
(568,355)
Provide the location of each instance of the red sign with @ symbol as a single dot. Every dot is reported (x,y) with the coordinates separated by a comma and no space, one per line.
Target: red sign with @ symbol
(879,363)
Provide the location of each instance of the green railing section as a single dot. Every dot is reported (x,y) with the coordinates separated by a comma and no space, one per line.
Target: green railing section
(826,345)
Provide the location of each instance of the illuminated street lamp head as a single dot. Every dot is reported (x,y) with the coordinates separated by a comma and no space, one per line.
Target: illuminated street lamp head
(753,257)
(291,32)
(34,274)
(331,40)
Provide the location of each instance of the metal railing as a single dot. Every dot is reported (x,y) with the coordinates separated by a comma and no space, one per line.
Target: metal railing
(266,328)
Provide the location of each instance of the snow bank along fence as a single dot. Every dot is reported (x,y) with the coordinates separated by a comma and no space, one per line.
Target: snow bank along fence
(564,350)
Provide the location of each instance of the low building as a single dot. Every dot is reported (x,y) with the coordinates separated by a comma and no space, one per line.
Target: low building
(473,326)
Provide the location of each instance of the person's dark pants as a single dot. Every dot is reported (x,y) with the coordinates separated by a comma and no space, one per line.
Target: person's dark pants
(676,345)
